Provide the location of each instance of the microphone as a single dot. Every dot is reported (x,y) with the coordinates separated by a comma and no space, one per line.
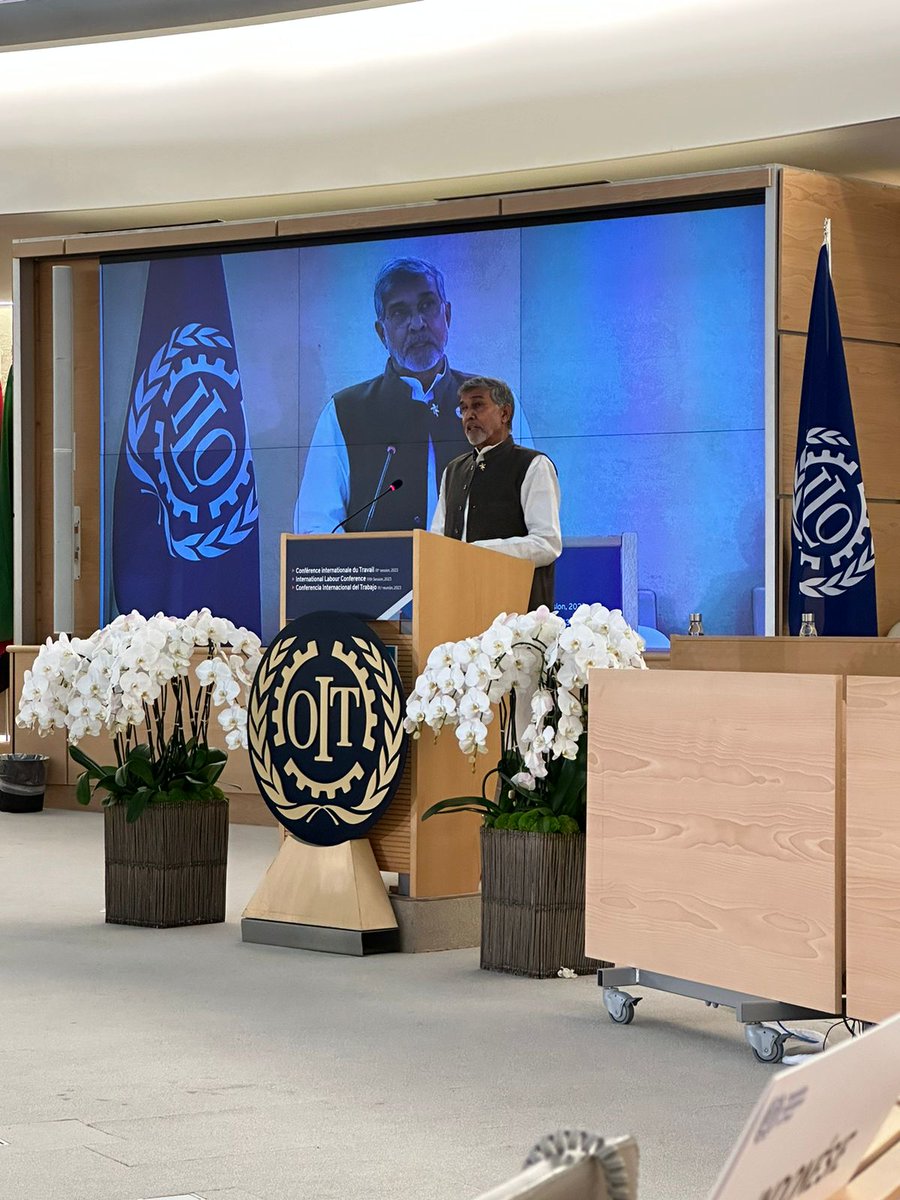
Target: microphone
(392,487)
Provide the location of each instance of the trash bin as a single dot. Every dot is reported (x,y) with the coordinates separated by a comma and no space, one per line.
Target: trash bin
(22,779)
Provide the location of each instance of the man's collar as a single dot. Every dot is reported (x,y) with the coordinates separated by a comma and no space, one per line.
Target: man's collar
(416,391)
(481,451)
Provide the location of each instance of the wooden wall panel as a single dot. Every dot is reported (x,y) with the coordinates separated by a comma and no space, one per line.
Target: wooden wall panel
(873,847)
(873,370)
(364,220)
(865,240)
(885,520)
(86,296)
(715,830)
(605,195)
(86,347)
(43,450)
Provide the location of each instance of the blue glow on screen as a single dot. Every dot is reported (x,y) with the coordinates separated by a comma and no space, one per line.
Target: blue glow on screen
(634,345)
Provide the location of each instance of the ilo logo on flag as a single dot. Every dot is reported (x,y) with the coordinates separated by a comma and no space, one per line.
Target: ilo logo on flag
(829,520)
(186,443)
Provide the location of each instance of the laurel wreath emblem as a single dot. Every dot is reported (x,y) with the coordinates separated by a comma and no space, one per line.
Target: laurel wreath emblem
(389,758)
(227,534)
(836,584)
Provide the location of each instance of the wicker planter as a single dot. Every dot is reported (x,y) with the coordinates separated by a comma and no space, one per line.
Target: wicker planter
(532,903)
(168,867)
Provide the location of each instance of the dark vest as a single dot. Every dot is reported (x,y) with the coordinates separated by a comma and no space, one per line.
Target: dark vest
(381,413)
(495,504)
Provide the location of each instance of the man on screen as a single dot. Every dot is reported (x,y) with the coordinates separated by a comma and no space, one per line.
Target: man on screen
(500,495)
(400,425)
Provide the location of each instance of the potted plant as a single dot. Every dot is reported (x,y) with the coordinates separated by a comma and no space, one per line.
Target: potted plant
(533,670)
(166,819)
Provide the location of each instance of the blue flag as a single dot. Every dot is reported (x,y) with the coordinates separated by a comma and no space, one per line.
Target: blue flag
(832,556)
(185,517)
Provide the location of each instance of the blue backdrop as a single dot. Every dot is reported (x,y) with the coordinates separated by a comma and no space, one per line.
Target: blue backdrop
(635,346)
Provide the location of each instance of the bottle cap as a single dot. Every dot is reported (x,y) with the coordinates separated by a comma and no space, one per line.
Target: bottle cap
(807,617)
(698,616)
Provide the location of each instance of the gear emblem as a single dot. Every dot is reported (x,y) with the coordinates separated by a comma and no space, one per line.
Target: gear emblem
(188,446)
(829,519)
(325,728)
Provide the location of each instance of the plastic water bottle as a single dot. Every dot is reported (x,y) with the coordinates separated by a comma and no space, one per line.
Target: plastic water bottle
(808,625)
(695,625)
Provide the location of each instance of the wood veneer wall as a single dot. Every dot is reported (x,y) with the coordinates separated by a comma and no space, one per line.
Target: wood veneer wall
(865,241)
(86,351)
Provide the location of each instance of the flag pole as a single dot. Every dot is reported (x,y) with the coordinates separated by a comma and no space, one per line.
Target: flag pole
(826,239)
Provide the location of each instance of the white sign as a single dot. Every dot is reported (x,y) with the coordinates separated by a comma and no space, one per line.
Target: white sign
(814,1123)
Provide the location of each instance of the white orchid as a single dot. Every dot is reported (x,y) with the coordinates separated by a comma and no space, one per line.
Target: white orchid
(497,641)
(116,677)
(536,660)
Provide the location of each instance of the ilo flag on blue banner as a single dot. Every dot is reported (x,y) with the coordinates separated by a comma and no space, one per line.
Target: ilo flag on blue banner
(186,524)
(832,556)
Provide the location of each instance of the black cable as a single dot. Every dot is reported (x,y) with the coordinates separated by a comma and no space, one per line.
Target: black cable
(828,1031)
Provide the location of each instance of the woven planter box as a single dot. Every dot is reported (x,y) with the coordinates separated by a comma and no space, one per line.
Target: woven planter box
(168,868)
(532,903)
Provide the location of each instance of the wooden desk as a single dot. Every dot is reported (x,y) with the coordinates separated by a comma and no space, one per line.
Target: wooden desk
(873,847)
(715,830)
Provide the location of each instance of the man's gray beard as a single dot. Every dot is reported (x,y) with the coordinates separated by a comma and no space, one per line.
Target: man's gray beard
(482,437)
(419,358)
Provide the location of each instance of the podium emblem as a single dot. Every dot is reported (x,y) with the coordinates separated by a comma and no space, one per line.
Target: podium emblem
(325,728)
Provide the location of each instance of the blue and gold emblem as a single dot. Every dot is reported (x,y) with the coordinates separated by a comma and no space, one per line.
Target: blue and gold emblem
(325,728)
(186,443)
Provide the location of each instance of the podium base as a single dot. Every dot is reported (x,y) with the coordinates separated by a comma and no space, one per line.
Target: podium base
(328,898)
(356,942)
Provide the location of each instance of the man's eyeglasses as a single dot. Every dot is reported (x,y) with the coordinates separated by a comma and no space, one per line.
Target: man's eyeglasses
(401,314)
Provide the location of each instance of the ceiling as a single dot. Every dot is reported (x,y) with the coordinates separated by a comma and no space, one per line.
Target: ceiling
(436,99)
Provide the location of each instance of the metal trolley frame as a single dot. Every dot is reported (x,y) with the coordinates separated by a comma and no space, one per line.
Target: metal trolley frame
(766,1042)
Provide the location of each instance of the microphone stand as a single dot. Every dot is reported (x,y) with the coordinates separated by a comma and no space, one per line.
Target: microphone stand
(391,451)
(392,487)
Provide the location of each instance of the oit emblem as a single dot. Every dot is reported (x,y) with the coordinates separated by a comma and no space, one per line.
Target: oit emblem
(187,444)
(829,517)
(325,728)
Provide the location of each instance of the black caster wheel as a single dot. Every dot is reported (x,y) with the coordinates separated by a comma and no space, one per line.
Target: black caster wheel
(625,1015)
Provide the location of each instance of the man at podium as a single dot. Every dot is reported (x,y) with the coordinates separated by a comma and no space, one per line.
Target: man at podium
(500,495)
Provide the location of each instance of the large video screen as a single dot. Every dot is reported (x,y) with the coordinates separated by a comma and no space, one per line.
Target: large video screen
(251,392)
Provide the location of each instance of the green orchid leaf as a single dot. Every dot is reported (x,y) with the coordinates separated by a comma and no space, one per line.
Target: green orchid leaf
(136,803)
(82,759)
(83,789)
(461,804)
(139,767)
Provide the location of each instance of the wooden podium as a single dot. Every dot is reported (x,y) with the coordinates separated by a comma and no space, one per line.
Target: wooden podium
(457,591)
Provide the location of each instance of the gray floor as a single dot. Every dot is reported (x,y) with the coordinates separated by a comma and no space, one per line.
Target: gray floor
(141,1063)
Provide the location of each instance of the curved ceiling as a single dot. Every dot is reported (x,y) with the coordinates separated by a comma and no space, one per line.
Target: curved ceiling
(388,98)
